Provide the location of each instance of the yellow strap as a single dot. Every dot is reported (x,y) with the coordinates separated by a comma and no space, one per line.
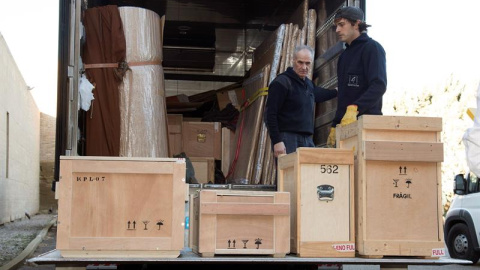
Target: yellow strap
(116,65)
(260,92)
(471,112)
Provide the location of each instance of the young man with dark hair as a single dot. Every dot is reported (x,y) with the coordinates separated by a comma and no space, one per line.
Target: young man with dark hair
(361,70)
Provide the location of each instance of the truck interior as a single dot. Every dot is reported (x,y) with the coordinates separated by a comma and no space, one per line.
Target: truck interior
(208,45)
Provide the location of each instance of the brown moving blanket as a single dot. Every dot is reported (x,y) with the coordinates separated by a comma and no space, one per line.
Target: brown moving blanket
(105,43)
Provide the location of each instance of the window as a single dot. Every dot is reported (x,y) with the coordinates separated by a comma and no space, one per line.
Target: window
(473,183)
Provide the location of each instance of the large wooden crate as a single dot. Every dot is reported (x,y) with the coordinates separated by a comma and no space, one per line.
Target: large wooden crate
(239,222)
(320,182)
(398,187)
(121,207)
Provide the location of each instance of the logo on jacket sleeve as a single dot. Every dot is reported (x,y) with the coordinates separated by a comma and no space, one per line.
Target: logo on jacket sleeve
(353,80)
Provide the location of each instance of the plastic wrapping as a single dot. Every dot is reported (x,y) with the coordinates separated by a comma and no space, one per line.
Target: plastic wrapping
(143,130)
(471,140)
(86,96)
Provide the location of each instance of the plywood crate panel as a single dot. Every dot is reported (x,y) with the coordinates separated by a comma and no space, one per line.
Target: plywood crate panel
(320,183)
(398,184)
(228,148)
(121,207)
(202,139)
(174,134)
(204,168)
(238,222)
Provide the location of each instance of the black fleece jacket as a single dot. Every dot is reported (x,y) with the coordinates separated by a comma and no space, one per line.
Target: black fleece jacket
(362,77)
(290,104)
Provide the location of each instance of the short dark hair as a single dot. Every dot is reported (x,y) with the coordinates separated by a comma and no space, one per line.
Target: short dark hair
(362,26)
(352,14)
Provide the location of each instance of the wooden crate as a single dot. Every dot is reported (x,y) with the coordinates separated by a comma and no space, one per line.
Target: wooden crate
(320,182)
(238,222)
(202,139)
(121,207)
(398,187)
(204,168)
(174,134)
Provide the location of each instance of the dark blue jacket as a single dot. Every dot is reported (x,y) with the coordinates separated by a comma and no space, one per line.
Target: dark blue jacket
(290,104)
(362,77)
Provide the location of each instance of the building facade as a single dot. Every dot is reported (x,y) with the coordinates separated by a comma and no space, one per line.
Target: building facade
(19,142)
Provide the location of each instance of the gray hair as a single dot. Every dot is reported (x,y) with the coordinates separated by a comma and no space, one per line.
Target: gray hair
(303,47)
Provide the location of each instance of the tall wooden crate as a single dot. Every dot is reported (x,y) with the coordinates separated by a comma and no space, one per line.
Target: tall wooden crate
(320,182)
(398,187)
(121,207)
(240,222)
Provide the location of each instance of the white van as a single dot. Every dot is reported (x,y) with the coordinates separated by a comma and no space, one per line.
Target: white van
(462,222)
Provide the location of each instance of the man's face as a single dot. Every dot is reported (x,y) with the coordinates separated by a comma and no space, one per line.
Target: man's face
(302,62)
(346,31)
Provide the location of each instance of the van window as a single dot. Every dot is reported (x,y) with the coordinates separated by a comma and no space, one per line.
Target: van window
(473,183)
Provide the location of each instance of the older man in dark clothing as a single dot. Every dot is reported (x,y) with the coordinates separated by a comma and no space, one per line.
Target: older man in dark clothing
(290,104)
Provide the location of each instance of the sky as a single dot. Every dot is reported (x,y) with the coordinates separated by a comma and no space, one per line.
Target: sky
(426,42)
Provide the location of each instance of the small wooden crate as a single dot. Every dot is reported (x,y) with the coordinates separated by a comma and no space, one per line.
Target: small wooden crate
(204,168)
(320,182)
(202,139)
(238,222)
(121,207)
(398,187)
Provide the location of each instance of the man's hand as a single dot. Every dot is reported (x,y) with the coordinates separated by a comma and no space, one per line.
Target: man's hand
(331,141)
(350,115)
(279,148)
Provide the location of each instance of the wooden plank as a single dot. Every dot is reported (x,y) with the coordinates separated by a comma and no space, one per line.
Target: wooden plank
(402,248)
(228,147)
(403,151)
(245,209)
(330,249)
(400,123)
(326,156)
(300,15)
(174,134)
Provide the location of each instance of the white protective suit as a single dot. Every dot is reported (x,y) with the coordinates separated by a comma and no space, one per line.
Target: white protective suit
(471,140)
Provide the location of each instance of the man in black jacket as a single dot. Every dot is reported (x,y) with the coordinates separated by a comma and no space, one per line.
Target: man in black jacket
(290,104)
(361,70)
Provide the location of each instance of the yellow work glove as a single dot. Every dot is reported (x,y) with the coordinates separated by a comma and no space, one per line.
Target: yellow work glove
(350,115)
(332,140)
